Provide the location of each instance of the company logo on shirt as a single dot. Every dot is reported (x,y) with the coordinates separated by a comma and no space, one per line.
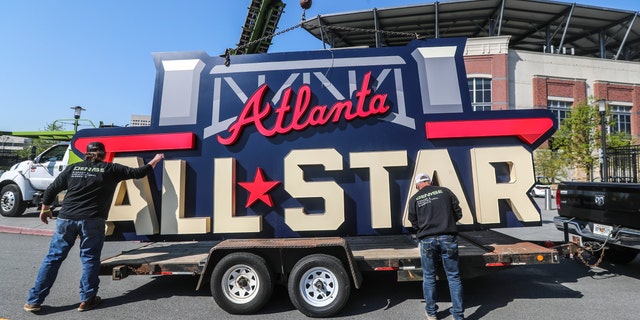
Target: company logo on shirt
(89,169)
(426,198)
(86,172)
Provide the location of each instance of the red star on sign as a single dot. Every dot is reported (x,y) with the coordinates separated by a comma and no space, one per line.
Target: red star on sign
(258,189)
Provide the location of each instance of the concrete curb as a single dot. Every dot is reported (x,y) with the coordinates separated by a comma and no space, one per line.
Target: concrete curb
(29,231)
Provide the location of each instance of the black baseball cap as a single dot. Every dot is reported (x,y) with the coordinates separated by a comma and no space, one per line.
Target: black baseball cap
(95,147)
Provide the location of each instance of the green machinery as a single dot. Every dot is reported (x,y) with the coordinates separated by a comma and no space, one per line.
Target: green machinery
(262,20)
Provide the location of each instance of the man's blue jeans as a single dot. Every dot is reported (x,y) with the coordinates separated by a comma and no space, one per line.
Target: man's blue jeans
(446,247)
(91,233)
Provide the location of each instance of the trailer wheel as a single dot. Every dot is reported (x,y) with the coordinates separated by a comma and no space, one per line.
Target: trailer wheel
(319,285)
(11,204)
(241,283)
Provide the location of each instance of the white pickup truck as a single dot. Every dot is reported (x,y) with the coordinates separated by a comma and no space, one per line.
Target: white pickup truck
(22,186)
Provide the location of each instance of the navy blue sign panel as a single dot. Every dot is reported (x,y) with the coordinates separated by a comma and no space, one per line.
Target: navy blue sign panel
(320,143)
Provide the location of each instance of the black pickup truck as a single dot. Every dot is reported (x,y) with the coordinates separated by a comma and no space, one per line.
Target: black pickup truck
(608,213)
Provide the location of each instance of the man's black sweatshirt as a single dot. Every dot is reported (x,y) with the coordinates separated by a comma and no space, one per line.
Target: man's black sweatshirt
(90,187)
(434,210)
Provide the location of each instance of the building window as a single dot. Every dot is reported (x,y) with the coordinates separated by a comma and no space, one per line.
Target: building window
(480,92)
(621,116)
(561,109)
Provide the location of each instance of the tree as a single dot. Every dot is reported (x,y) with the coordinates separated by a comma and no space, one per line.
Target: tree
(548,164)
(40,144)
(579,137)
(618,139)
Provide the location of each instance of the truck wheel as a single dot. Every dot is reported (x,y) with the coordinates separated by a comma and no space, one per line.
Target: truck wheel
(11,204)
(319,285)
(620,255)
(241,283)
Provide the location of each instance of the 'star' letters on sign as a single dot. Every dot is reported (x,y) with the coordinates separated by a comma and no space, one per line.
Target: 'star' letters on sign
(318,143)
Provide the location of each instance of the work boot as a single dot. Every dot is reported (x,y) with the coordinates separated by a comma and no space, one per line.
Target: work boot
(89,304)
(31,307)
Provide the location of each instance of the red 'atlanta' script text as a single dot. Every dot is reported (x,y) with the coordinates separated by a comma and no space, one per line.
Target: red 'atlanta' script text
(302,115)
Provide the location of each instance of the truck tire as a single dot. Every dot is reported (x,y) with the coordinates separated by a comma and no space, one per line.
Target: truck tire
(620,255)
(241,283)
(319,285)
(11,204)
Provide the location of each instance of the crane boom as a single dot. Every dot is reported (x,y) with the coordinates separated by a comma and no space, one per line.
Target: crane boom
(262,20)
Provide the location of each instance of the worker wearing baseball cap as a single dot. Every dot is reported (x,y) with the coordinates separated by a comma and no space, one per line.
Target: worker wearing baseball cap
(433,213)
(90,186)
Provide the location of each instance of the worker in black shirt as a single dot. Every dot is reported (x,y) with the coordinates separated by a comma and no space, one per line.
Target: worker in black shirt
(90,186)
(433,213)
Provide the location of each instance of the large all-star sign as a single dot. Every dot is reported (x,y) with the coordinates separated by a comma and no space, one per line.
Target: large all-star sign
(318,143)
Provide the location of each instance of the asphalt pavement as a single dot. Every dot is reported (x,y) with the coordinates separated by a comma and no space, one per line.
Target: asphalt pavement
(30,224)
(567,290)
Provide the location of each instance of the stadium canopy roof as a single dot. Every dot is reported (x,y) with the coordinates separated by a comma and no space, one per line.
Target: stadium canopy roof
(533,25)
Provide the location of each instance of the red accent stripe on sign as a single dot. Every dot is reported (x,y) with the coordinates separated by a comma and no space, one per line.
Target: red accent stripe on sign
(140,142)
(528,129)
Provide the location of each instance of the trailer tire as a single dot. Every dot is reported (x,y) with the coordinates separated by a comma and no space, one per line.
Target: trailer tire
(11,204)
(319,285)
(241,283)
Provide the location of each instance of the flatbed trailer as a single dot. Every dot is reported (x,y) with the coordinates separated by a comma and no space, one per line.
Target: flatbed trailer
(480,252)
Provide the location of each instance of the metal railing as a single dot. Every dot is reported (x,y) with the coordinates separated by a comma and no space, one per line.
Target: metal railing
(622,164)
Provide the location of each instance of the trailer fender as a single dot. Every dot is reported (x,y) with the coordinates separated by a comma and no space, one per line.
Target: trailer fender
(282,254)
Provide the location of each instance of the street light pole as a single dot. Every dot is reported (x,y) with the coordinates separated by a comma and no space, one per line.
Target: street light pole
(77,110)
(602,108)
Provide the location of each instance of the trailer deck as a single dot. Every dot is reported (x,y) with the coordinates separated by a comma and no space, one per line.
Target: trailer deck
(478,250)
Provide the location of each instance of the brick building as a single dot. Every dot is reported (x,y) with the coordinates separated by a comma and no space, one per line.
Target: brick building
(519,54)
(537,80)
